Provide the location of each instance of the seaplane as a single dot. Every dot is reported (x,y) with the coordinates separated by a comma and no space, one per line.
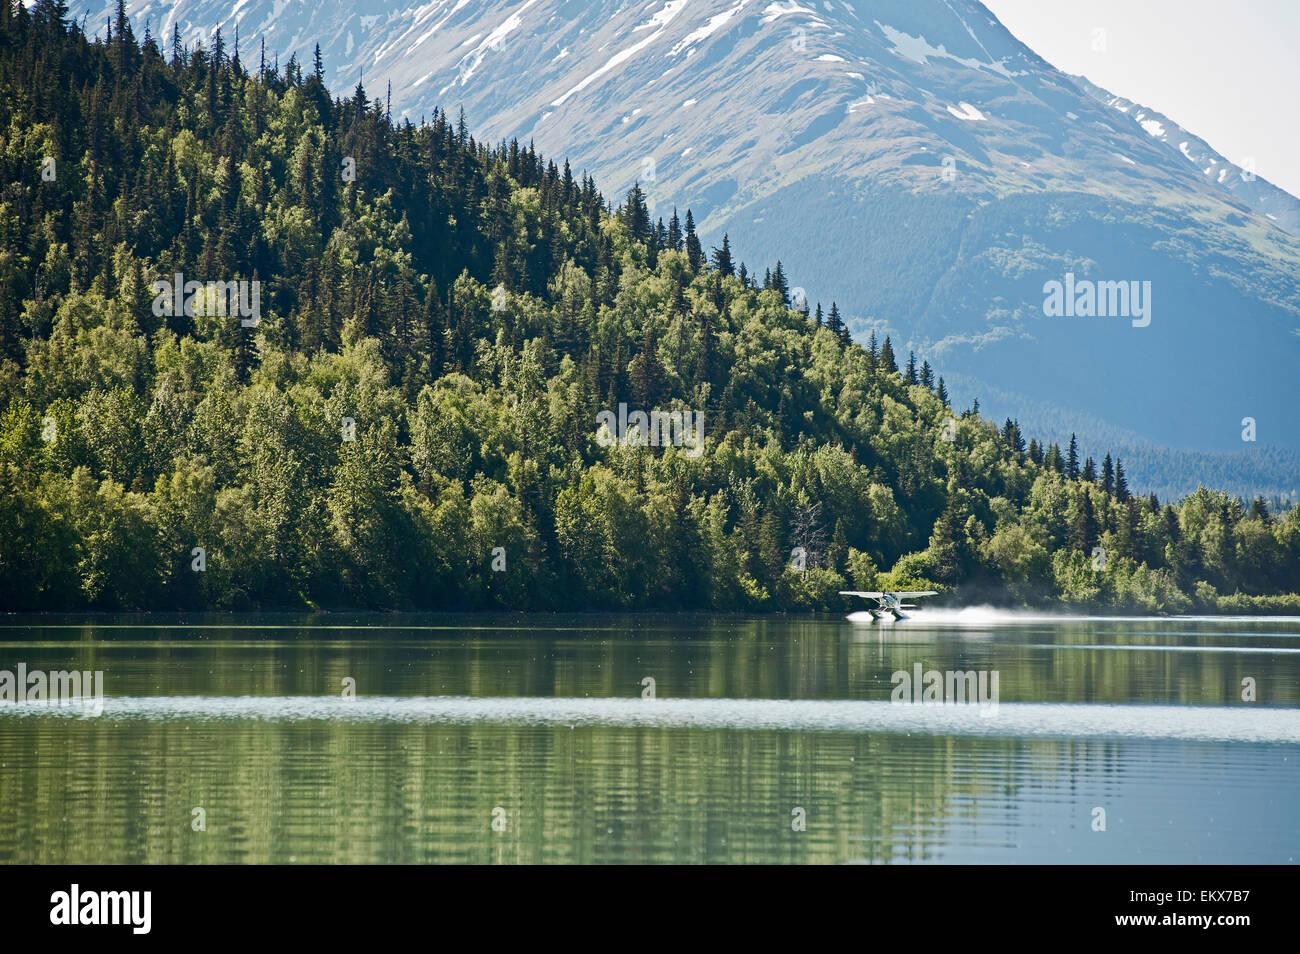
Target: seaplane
(889,604)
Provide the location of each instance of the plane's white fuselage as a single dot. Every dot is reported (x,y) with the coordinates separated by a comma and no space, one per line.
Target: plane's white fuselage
(889,605)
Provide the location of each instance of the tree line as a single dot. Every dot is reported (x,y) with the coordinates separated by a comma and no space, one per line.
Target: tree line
(410,423)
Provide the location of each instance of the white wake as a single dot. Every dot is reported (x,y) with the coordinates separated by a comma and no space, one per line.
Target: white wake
(1015,719)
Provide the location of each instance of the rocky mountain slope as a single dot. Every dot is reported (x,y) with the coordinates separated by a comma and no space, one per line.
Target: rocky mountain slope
(923,167)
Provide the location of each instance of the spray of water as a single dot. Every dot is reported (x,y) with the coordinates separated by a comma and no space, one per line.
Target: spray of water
(968,617)
(985,617)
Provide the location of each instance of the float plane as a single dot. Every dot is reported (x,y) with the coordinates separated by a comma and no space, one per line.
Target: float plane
(889,603)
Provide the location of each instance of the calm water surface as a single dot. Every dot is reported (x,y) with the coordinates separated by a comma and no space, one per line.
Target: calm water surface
(462,726)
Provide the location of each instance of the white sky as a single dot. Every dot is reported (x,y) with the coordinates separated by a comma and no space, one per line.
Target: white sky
(1227,71)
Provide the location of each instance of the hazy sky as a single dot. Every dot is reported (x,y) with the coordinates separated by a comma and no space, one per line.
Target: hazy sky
(1227,71)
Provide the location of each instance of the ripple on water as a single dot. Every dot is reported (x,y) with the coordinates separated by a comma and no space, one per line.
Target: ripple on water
(1005,720)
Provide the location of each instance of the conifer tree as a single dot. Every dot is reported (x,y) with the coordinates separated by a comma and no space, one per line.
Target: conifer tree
(887,357)
(647,372)
(845,337)
(780,285)
(637,216)
(1083,523)
(834,323)
(722,258)
(694,254)
(1053,459)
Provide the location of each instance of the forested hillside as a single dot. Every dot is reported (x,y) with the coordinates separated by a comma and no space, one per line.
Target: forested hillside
(408,417)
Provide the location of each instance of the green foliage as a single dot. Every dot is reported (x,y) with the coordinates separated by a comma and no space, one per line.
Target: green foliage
(412,422)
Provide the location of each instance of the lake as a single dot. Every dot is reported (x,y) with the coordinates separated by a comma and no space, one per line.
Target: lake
(593,739)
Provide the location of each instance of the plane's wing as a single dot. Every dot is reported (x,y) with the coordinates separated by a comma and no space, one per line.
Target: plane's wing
(862,593)
(908,594)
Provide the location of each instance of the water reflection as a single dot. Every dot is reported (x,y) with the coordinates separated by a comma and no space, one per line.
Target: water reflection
(544,719)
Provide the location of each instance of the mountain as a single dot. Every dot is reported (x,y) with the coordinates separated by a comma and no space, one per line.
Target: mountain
(924,169)
(410,387)
(1263,197)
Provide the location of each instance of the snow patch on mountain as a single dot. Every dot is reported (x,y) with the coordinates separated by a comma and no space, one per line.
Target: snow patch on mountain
(712,26)
(658,22)
(967,111)
(916,49)
(1152,126)
(774,11)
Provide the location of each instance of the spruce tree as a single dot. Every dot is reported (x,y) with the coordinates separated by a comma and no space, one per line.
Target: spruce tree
(1053,459)
(887,357)
(646,372)
(838,549)
(722,258)
(1081,534)
(834,323)
(694,254)
(780,285)
(636,215)
(675,232)
(845,335)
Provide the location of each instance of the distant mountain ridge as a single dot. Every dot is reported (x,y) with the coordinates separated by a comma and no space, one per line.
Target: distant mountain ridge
(451,53)
(1257,470)
(1268,200)
(928,171)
